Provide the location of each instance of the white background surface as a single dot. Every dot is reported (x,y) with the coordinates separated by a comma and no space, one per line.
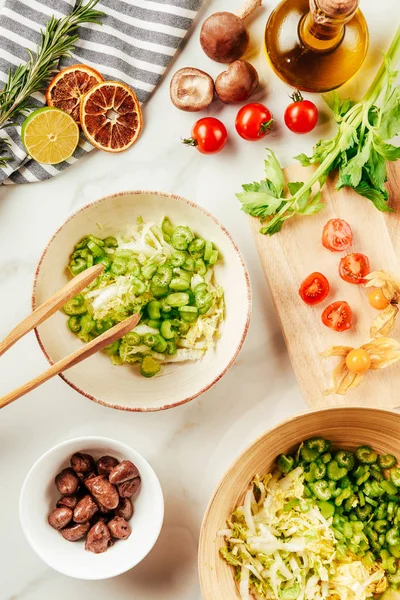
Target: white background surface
(189,447)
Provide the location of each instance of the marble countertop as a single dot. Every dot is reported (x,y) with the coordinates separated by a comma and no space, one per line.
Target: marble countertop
(189,447)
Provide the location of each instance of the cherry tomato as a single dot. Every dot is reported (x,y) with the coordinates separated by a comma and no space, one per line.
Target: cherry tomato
(209,136)
(358,361)
(354,268)
(253,121)
(302,115)
(337,235)
(377,299)
(314,289)
(338,316)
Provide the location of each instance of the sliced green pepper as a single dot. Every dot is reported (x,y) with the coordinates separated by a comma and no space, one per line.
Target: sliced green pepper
(150,339)
(111,242)
(335,473)
(149,367)
(163,276)
(133,338)
(149,270)
(74,323)
(178,258)
(395,476)
(345,459)
(171,347)
(77,265)
(75,306)
(327,509)
(366,455)
(321,490)
(363,512)
(386,461)
(196,248)
(161,345)
(178,299)
(166,330)
(181,237)
(393,536)
(285,463)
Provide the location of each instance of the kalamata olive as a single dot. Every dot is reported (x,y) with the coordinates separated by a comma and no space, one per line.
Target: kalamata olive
(119,528)
(60,517)
(128,488)
(70,501)
(98,538)
(105,465)
(75,532)
(123,472)
(88,476)
(124,509)
(67,482)
(82,463)
(103,491)
(85,509)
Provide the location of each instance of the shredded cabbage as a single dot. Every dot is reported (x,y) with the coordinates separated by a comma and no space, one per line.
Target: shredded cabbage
(114,297)
(282,547)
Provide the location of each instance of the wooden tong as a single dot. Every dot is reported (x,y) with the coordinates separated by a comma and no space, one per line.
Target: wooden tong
(43,312)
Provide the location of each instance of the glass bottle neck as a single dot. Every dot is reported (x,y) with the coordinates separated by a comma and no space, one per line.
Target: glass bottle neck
(322,28)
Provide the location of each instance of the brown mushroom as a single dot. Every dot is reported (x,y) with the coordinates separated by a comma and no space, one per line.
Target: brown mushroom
(191,89)
(237,83)
(224,37)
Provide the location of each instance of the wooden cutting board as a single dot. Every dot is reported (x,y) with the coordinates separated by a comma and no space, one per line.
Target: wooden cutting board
(295,252)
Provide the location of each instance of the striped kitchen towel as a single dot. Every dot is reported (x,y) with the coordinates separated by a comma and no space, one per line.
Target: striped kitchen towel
(134,44)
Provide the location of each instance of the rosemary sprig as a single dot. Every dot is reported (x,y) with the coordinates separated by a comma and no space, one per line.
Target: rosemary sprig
(57,41)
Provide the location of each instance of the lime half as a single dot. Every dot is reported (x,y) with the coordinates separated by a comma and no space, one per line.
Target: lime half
(50,135)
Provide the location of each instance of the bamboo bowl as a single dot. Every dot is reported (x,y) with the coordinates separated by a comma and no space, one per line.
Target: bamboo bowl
(346,427)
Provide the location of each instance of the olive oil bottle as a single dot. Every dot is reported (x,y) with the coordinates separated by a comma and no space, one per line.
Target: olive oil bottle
(316,45)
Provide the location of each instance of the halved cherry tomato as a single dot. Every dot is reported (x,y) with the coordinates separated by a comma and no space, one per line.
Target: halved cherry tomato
(337,235)
(338,316)
(314,289)
(354,268)
(358,361)
(378,300)
(209,135)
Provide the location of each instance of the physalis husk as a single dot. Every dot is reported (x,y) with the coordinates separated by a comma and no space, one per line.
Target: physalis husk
(383,352)
(384,323)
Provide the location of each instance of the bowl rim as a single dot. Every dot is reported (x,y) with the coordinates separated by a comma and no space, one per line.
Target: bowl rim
(85,440)
(237,460)
(248,288)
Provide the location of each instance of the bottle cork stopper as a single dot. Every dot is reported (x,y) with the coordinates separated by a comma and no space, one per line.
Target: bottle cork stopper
(333,8)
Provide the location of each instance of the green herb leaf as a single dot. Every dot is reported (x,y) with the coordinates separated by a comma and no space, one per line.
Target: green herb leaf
(274,173)
(378,197)
(388,151)
(351,173)
(294,186)
(304,160)
(260,186)
(376,169)
(390,117)
(339,106)
(259,204)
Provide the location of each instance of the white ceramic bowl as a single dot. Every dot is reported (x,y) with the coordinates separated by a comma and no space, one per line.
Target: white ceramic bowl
(123,387)
(39,496)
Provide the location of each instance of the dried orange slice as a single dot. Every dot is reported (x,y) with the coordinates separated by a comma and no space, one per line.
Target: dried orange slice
(67,88)
(111,117)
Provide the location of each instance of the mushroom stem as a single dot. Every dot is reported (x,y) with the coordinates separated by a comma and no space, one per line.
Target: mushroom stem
(247,8)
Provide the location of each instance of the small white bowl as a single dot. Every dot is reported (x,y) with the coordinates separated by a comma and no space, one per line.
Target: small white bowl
(39,496)
(123,387)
